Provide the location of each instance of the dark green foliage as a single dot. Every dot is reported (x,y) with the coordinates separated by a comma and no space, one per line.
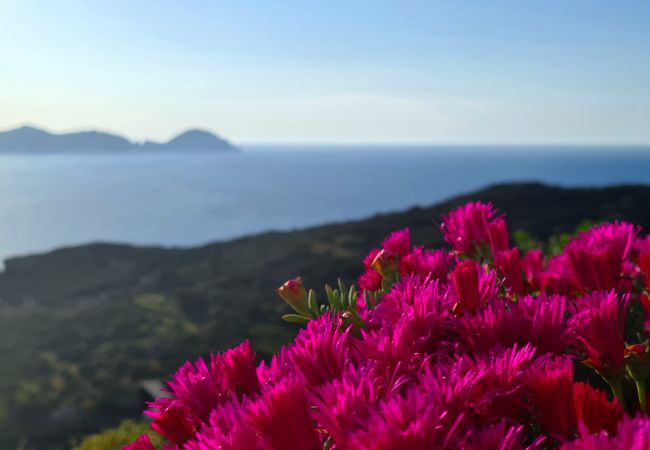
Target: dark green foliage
(80,327)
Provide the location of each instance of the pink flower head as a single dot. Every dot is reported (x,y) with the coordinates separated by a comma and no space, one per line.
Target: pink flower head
(320,351)
(238,366)
(559,277)
(172,420)
(411,422)
(509,264)
(281,417)
(500,436)
(594,411)
(499,391)
(370,280)
(498,323)
(343,405)
(643,256)
(498,234)
(533,265)
(596,256)
(631,434)
(468,226)
(427,263)
(410,322)
(473,286)
(142,443)
(398,243)
(551,386)
(547,325)
(599,319)
(227,430)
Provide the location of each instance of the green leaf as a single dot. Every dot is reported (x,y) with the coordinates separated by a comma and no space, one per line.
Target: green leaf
(295,318)
(313,305)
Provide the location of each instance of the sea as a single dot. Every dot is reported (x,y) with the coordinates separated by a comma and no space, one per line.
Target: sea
(192,198)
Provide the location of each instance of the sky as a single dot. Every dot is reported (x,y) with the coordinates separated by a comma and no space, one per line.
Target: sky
(457,71)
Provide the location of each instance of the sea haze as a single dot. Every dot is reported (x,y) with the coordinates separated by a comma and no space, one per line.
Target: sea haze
(182,199)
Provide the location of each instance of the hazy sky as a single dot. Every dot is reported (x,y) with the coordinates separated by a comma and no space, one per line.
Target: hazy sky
(332,71)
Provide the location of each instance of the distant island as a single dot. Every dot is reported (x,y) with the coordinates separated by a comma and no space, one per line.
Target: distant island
(37,141)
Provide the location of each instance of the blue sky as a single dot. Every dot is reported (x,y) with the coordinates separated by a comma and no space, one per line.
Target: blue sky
(458,71)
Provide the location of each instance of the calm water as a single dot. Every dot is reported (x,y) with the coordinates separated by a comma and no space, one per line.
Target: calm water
(180,200)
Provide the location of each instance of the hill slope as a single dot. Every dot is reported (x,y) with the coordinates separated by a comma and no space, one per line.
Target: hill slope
(83,325)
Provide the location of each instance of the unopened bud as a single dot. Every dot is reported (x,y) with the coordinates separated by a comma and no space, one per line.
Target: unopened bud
(293,292)
(384,263)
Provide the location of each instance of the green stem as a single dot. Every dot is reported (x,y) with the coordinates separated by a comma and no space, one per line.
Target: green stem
(641,391)
(616,384)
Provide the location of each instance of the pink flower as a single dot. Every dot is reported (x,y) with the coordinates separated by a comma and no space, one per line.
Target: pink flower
(559,278)
(594,411)
(547,326)
(509,264)
(427,263)
(370,280)
(498,234)
(500,436)
(411,422)
(343,405)
(643,256)
(281,417)
(596,256)
(172,420)
(533,265)
(473,286)
(320,351)
(228,429)
(142,443)
(631,434)
(468,226)
(599,319)
(238,365)
(551,386)
(398,243)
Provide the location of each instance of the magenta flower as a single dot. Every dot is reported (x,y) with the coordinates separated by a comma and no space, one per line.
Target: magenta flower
(547,326)
(596,256)
(643,257)
(342,406)
(172,420)
(228,429)
(281,417)
(533,266)
(320,351)
(473,286)
(434,264)
(594,411)
(500,436)
(551,387)
(142,443)
(398,243)
(468,226)
(599,319)
(631,434)
(509,264)
(498,234)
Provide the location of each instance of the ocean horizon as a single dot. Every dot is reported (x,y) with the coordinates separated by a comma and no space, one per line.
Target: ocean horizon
(188,199)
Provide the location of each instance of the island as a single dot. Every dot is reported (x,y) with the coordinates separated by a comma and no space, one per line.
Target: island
(32,140)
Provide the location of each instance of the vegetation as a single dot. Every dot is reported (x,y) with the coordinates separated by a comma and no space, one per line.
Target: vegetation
(84,326)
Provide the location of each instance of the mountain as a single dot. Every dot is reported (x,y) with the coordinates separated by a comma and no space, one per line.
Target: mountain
(81,327)
(34,140)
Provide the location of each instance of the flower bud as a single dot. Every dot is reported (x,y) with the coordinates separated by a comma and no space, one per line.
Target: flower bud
(293,292)
(384,263)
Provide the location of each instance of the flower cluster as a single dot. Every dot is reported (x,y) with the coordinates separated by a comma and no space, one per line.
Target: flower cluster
(479,347)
